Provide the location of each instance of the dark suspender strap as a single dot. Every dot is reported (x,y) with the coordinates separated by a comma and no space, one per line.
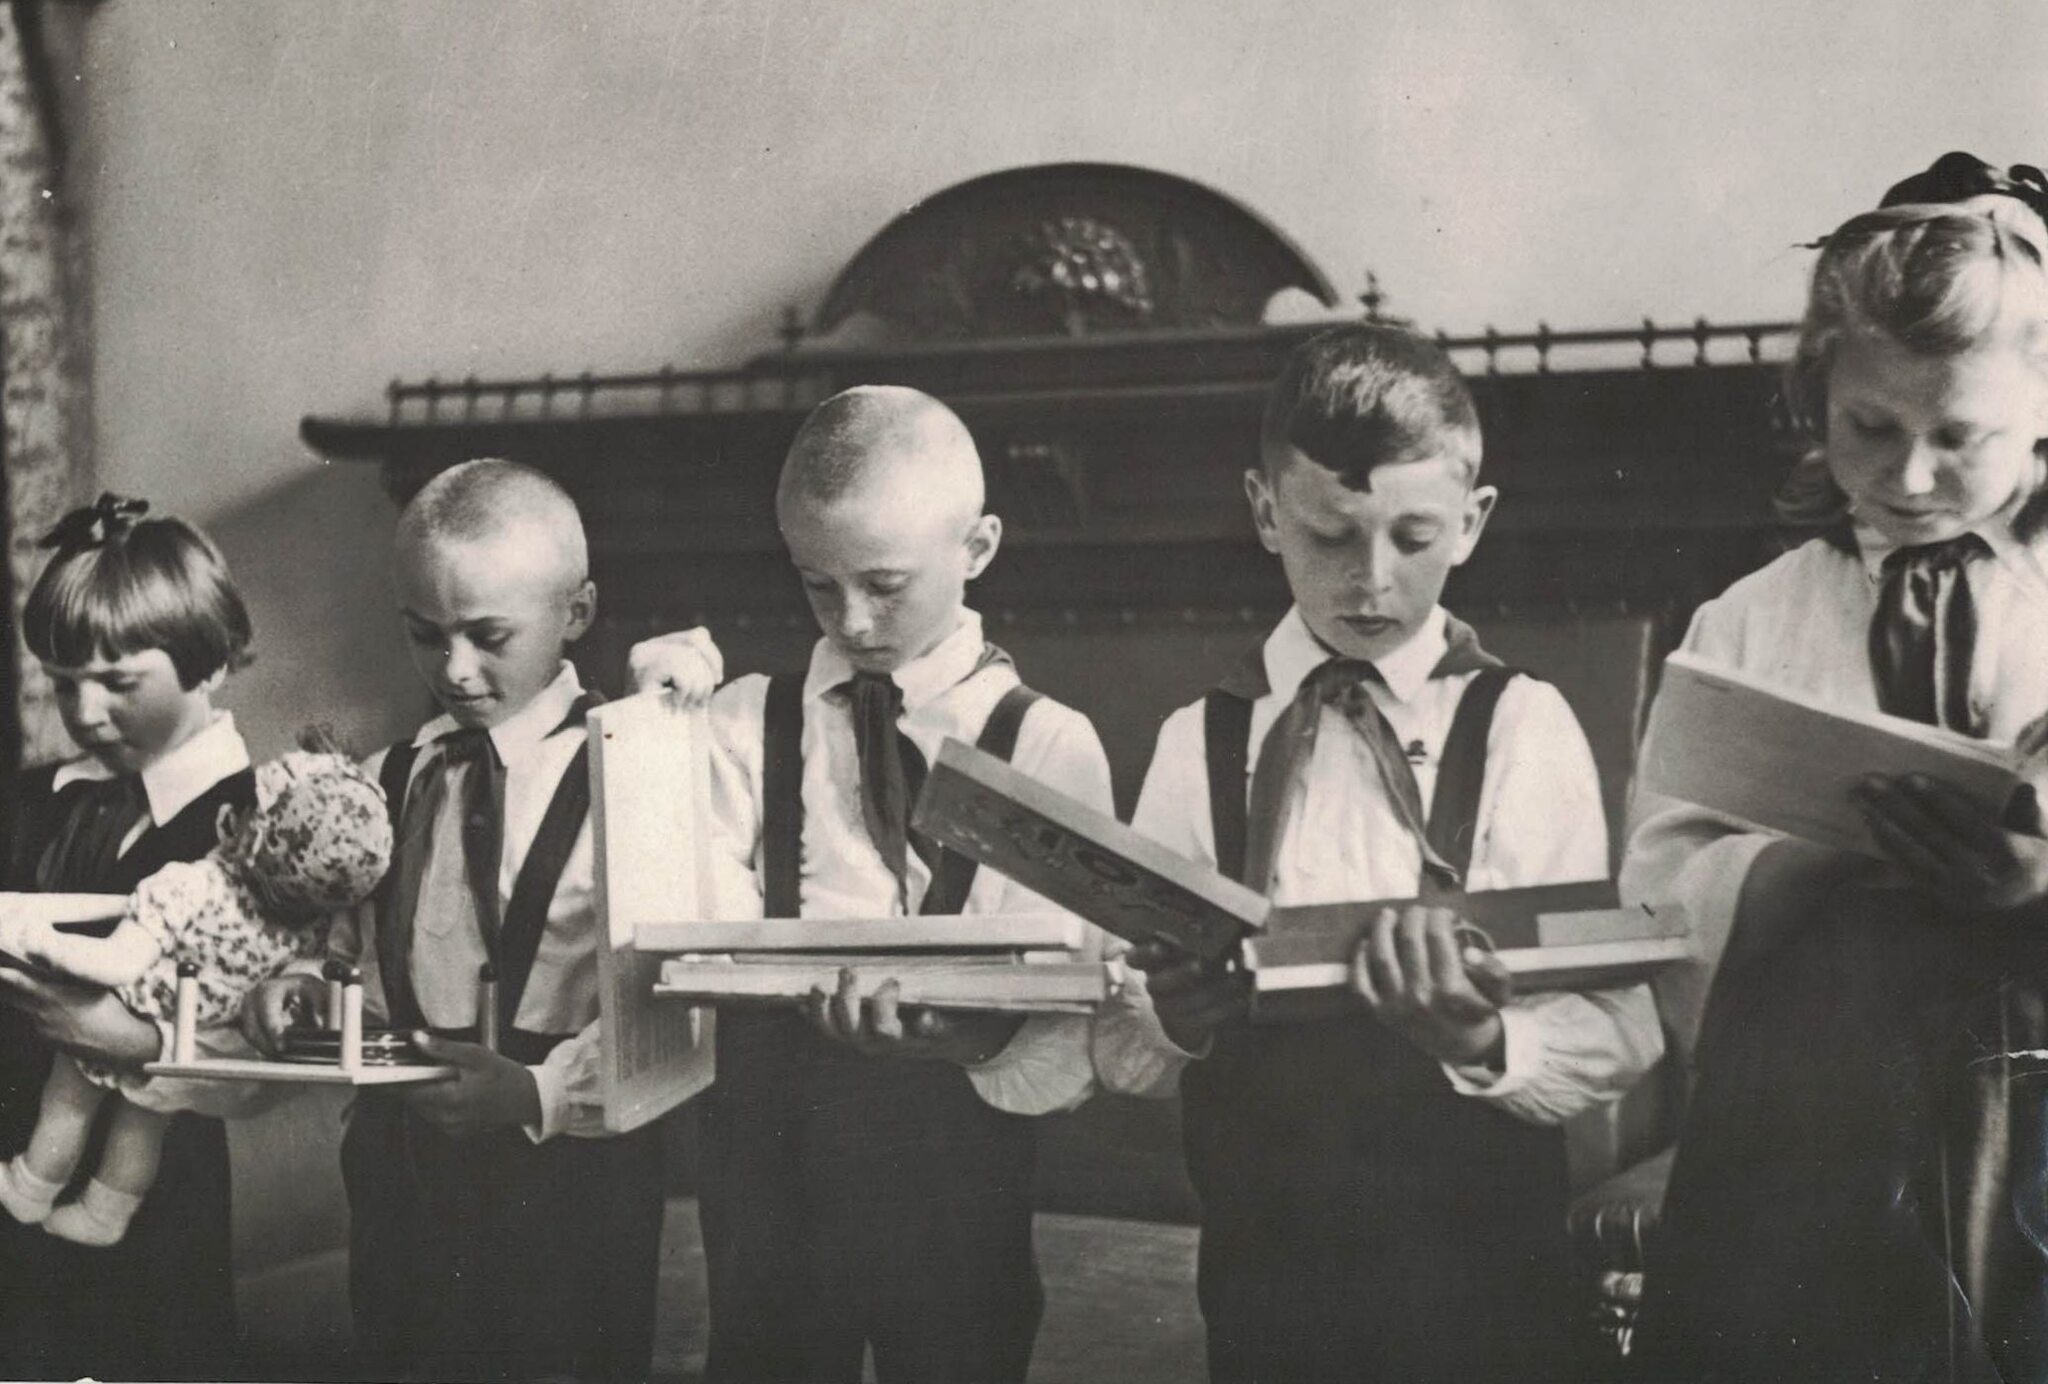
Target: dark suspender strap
(526,913)
(393,937)
(1227,733)
(954,875)
(540,874)
(1461,769)
(782,797)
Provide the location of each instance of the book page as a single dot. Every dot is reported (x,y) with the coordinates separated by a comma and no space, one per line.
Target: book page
(1778,760)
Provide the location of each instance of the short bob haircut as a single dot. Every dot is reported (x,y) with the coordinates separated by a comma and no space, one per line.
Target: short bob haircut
(1366,395)
(120,585)
(1939,280)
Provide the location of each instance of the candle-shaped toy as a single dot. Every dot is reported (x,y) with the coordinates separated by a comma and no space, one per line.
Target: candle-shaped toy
(487,1006)
(185,1026)
(352,1021)
(336,972)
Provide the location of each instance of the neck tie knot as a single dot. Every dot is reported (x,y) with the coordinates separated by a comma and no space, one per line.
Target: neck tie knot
(467,746)
(1924,634)
(1949,555)
(1342,682)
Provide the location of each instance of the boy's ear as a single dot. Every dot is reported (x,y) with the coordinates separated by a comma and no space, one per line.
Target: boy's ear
(982,541)
(214,681)
(1478,509)
(582,611)
(1258,489)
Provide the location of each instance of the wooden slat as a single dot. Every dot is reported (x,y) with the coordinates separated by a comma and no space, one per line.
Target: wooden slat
(926,932)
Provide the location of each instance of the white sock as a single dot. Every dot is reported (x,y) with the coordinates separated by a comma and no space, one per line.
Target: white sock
(27,1197)
(100,1216)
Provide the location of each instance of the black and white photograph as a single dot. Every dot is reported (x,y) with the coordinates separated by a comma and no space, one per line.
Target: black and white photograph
(950,692)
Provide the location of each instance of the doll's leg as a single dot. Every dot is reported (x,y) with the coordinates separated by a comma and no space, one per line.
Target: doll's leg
(128,1165)
(30,1183)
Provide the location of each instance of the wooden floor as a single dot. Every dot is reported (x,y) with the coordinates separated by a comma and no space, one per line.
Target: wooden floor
(1120,1305)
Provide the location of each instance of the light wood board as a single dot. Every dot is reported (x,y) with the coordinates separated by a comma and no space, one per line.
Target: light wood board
(650,821)
(937,932)
(297,1073)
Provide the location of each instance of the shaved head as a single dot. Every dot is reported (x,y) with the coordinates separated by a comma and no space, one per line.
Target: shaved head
(880,506)
(882,436)
(483,502)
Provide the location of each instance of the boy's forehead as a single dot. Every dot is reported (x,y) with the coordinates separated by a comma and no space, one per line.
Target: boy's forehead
(1433,480)
(510,569)
(873,526)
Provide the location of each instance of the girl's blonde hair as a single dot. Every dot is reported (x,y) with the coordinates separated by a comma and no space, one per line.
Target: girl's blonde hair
(1935,279)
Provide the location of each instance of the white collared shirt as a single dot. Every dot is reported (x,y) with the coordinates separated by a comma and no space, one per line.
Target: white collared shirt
(536,748)
(1803,622)
(946,692)
(1540,822)
(177,780)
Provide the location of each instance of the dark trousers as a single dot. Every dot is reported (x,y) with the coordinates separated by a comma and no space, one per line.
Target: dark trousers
(159,1305)
(1859,1187)
(1427,1310)
(1362,1221)
(495,1258)
(853,1203)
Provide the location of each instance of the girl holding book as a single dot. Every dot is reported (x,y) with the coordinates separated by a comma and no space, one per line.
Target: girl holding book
(1841,1202)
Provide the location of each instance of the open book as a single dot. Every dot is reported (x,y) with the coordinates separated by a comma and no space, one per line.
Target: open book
(1087,861)
(1784,761)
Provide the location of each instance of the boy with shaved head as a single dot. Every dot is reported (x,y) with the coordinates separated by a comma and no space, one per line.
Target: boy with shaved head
(495,1230)
(867,1168)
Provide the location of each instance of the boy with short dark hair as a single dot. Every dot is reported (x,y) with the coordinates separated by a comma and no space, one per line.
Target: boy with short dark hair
(1383,1194)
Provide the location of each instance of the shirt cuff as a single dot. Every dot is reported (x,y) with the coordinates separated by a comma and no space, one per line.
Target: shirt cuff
(1518,1044)
(553,1089)
(1045,1067)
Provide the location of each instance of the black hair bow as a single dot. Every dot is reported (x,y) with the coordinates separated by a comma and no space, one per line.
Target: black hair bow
(95,525)
(1957,176)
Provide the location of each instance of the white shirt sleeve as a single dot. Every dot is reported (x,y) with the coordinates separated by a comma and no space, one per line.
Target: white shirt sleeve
(1132,1054)
(1046,1065)
(1541,822)
(571,1088)
(1682,854)
(737,714)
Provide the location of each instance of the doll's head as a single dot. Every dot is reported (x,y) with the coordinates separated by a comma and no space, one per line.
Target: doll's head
(319,837)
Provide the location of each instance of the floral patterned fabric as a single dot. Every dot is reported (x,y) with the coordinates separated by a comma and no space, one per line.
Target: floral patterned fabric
(44,366)
(318,840)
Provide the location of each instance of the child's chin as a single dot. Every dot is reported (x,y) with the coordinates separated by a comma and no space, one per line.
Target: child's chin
(473,715)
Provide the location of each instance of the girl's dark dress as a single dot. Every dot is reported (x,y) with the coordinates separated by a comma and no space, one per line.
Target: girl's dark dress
(1861,1191)
(161,1303)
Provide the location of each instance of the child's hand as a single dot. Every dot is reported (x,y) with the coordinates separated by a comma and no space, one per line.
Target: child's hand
(84,1020)
(14,933)
(1411,969)
(276,1005)
(880,1027)
(1952,848)
(1192,998)
(684,666)
(489,1091)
